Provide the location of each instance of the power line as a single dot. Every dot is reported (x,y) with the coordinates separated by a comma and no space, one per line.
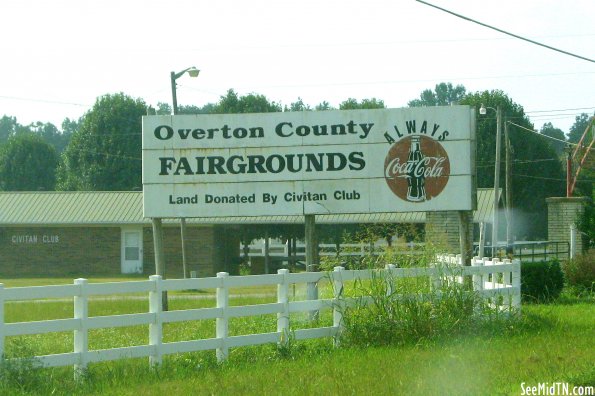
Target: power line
(551,178)
(518,161)
(540,134)
(559,110)
(43,101)
(507,33)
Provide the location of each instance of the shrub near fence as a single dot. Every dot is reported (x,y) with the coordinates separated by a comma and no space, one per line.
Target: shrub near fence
(542,281)
(497,281)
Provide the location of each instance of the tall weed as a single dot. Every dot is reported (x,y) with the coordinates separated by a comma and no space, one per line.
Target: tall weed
(391,311)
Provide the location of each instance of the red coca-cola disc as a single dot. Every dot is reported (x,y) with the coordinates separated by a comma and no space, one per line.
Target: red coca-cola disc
(435,169)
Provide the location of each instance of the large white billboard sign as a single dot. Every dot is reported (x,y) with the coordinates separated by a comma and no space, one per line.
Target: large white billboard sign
(311,162)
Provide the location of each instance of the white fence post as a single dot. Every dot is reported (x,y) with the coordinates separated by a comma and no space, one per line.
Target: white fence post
(81,335)
(437,268)
(222,326)
(572,252)
(283,298)
(477,278)
(485,277)
(156,328)
(389,279)
(495,262)
(337,294)
(1,320)
(516,284)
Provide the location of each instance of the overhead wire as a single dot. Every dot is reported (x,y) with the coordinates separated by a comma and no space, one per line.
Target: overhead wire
(508,33)
(540,134)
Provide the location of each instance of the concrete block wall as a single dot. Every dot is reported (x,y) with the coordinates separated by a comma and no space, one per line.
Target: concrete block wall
(59,251)
(442,230)
(561,213)
(96,250)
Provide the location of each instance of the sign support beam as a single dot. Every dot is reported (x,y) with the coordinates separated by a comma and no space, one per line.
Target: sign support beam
(311,259)
(159,254)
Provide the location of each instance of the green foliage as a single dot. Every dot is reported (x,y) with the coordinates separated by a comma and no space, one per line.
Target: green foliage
(324,105)
(586,226)
(353,104)
(404,311)
(105,152)
(51,135)
(27,163)
(443,95)
(231,103)
(549,130)
(578,128)
(580,271)
(298,105)
(10,127)
(374,257)
(20,370)
(541,281)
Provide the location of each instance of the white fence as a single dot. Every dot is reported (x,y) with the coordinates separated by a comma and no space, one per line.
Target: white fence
(491,279)
(279,249)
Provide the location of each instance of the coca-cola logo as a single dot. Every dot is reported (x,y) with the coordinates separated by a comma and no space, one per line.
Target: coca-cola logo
(417,168)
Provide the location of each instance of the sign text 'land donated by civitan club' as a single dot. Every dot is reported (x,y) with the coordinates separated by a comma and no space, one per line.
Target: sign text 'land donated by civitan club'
(310,162)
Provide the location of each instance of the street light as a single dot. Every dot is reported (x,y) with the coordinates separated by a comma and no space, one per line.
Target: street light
(498,110)
(192,72)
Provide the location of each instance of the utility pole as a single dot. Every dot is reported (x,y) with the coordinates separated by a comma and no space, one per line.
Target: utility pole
(509,236)
(568,150)
(496,180)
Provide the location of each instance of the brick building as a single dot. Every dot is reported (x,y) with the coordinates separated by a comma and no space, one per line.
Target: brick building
(101,233)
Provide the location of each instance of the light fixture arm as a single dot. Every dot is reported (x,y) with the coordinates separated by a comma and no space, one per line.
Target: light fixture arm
(193,72)
(190,71)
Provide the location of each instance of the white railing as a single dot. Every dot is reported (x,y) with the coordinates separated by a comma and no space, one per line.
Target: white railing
(278,249)
(491,279)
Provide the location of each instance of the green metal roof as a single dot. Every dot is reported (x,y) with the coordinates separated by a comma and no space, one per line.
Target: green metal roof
(126,208)
(71,208)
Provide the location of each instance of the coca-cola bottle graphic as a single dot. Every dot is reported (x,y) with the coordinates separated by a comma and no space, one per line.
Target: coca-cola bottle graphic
(416,180)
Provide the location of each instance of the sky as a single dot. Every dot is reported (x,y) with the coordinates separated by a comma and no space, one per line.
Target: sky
(59,56)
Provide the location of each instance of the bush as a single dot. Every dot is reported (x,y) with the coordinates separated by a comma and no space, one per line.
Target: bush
(19,370)
(580,271)
(541,281)
(395,311)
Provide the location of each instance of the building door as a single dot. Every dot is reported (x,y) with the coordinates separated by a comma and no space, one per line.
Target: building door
(132,251)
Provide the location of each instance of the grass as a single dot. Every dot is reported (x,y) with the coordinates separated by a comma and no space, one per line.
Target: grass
(550,343)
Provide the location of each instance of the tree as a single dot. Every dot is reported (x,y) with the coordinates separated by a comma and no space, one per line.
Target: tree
(353,104)
(578,128)
(163,108)
(104,154)
(51,135)
(298,105)
(549,130)
(27,163)
(10,127)
(324,105)
(69,127)
(231,103)
(443,95)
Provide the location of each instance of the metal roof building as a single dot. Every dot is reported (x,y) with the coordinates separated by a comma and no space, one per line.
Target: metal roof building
(126,208)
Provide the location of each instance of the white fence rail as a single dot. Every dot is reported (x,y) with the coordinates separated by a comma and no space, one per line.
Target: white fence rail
(490,279)
(278,249)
